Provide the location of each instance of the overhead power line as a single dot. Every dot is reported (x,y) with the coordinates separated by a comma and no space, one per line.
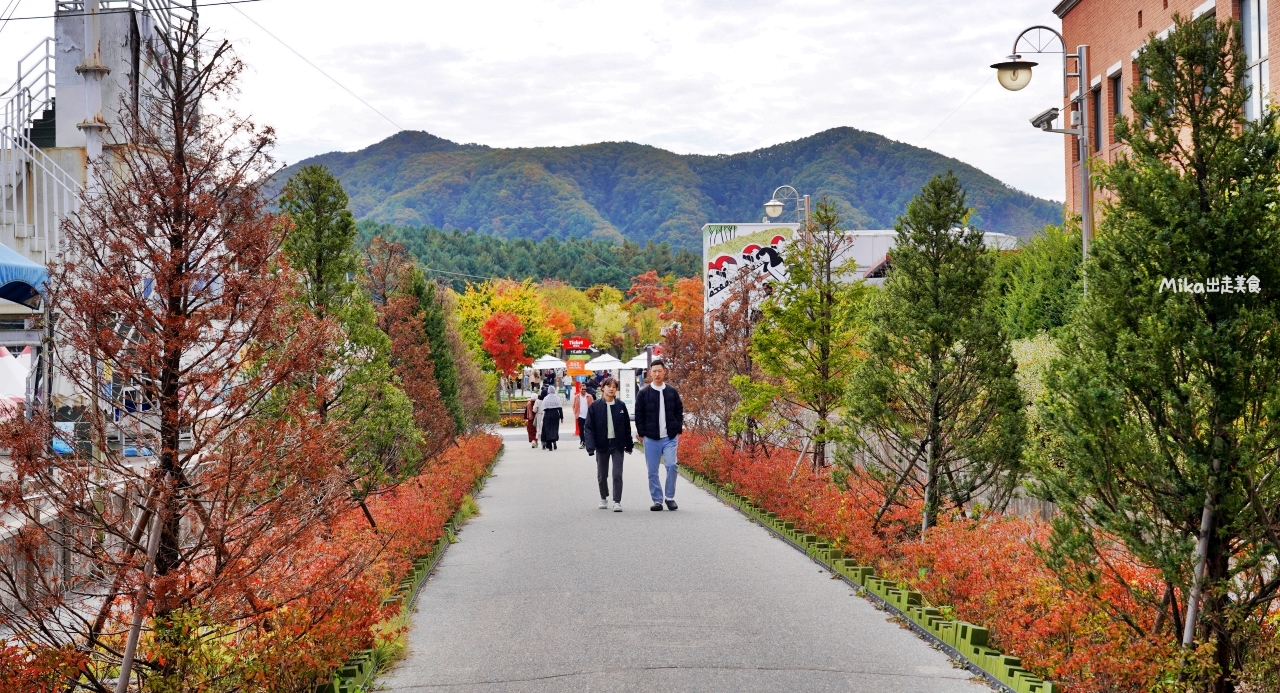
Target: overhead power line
(957,108)
(317,68)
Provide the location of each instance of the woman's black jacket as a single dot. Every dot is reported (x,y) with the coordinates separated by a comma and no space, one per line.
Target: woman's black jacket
(596,428)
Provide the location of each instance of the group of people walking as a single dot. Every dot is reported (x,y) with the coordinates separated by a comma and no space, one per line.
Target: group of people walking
(604,429)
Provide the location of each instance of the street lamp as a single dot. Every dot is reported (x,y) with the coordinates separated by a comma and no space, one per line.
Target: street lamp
(1015,73)
(779,200)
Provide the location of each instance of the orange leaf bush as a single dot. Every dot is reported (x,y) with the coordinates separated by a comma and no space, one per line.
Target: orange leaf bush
(988,570)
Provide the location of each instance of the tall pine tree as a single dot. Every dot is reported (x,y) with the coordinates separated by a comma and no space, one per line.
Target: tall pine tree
(935,404)
(1164,405)
(383,445)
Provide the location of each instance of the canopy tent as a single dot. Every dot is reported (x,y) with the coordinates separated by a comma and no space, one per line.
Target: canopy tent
(547,361)
(606,362)
(13,379)
(21,280)
(640,362)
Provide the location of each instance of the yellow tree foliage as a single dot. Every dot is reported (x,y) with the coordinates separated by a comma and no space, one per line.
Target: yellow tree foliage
(522,300)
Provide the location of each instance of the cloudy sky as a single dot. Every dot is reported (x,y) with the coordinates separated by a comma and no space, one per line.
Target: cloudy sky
(692,76)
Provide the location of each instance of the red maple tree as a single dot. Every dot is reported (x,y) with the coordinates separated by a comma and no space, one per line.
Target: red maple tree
(649,291)
(501,340)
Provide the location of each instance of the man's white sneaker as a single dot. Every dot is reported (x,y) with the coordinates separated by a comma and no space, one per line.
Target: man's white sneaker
(617,507)
(604,504)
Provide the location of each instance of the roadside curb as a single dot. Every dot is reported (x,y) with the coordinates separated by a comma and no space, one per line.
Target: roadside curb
(962,641)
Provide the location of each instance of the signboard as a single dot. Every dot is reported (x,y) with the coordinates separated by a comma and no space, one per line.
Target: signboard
(734,251)
(575,343)
(576,361)
(627,389)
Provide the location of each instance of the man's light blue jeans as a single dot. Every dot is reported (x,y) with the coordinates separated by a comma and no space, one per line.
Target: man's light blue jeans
(662,449)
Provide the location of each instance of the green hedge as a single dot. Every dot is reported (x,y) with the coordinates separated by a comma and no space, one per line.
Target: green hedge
(965,640)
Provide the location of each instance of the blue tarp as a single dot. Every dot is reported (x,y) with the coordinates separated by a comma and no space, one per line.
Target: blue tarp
(21,280)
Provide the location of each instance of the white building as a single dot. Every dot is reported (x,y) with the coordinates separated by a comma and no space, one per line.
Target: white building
(64,110)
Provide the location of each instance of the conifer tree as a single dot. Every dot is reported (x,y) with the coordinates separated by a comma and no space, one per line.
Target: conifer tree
(1163,406)
(383,445)
(935,404)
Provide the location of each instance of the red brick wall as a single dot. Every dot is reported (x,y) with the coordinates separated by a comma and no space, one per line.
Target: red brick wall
(1110,29)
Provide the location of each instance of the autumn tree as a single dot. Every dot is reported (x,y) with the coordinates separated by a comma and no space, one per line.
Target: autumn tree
(706,355)
(394,283)
(648,290)
(934,405)
(435,326)
(501,334)
(1163,406)
(176,325)
(520,299)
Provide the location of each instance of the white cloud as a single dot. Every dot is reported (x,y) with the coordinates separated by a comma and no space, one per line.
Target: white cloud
(702,76)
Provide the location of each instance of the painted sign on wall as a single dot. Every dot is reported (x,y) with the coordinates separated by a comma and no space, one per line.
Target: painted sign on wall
(735,251)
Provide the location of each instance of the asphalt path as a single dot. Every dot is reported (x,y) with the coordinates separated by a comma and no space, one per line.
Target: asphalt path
(546,592)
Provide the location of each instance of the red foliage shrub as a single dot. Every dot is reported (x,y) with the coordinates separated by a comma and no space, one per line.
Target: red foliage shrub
(989,570)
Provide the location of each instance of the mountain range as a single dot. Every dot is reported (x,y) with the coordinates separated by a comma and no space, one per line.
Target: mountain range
(622,190)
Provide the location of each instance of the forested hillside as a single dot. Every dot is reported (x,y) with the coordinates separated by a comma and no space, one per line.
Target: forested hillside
(620,190)
(461,257)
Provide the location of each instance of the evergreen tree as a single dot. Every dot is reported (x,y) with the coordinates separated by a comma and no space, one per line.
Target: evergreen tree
(382,442)
(322,243)
(1040,282)
(935,403)
(1163,406)
(805,341)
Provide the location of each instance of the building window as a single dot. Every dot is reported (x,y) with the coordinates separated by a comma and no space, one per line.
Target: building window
(1095,98)
(1253,27)
(1139,19)
(1117,104)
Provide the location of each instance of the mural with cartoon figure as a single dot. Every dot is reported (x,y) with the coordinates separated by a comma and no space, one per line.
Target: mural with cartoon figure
(735,251)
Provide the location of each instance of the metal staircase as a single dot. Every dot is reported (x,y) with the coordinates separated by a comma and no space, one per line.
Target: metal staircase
(35,192)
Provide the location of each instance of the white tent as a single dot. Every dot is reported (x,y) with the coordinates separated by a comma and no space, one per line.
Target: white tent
(13,377)
(548,361)
(605,362)
(640,362)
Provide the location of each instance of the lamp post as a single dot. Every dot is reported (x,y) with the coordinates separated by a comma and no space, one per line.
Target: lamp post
(1015,73)
(781,196)
(773,208)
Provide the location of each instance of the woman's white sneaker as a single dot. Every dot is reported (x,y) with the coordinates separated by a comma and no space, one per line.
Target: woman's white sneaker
(604,504)
(617,507)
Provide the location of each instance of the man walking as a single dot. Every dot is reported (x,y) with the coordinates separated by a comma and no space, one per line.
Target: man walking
(607,434)
(659,421)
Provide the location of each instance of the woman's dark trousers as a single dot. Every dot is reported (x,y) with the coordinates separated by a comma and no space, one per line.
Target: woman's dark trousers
(603,455)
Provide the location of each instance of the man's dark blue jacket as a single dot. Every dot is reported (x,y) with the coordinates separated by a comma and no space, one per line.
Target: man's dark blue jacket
(596,428)
(647,408)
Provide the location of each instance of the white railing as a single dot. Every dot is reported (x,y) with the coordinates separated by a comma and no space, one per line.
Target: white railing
(35,193)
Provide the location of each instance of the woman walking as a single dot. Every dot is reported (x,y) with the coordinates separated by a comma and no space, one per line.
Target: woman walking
(607,434)
(531,421)
(551,414)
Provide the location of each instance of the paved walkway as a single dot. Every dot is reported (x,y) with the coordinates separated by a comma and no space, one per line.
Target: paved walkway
(545,592)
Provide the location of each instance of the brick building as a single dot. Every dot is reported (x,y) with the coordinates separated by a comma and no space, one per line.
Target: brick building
(1114,30)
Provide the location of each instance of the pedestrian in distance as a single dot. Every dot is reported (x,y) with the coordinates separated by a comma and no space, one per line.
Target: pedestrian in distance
(659,422)
(581,401)
(606,431)
(552,413)
(531,421)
